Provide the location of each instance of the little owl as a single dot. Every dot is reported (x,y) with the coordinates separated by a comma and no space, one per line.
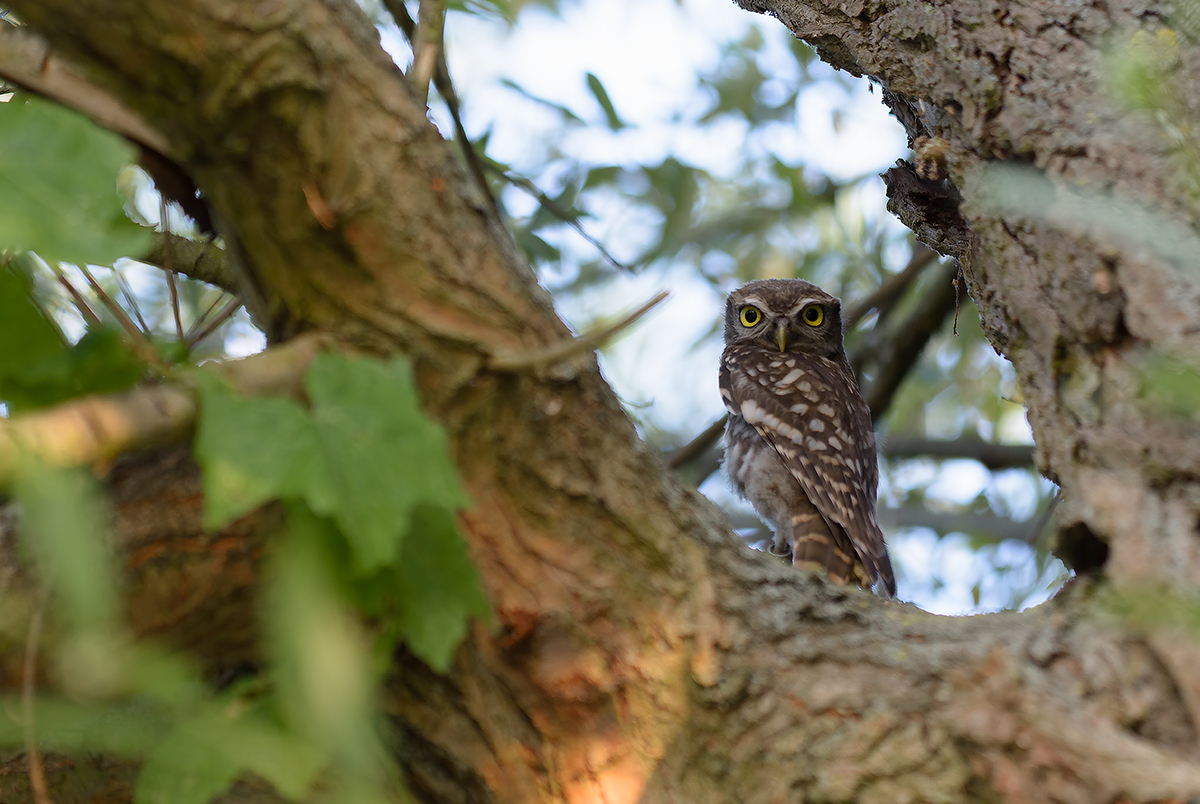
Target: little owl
(799,444)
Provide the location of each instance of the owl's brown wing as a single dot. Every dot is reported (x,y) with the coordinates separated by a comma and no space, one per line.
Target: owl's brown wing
(809,409)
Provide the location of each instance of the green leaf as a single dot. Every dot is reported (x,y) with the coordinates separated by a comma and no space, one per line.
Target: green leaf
(493,8)
(26,336)
(99,363)
(58,193)
(64,528)
(438,588)
(366,459)
(366,455)
(203,755)
(184,769)
(602,176)
(535,247)
(601,94)
(38,368)
(253,450)
(321,664)
(129,729)
(385,457)
(567,115)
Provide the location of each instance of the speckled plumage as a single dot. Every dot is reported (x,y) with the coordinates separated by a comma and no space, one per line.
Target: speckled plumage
(799,443)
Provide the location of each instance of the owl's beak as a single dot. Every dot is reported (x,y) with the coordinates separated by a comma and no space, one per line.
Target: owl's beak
(781,327)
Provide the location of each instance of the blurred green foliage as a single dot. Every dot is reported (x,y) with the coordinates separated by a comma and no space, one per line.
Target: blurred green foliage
(38,366)
(1152,607)
(1147,73)
(371,555)
(57,186)
(365,458)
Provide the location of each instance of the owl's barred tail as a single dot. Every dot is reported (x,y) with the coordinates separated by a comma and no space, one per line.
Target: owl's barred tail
(817,544)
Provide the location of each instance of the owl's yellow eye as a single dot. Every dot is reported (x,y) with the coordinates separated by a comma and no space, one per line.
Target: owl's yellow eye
(813,315)
(750,316)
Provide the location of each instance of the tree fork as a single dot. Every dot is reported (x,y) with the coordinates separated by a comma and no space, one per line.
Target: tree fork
(640,653)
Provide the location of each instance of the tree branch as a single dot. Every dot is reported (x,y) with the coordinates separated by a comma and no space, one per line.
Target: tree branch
(989,525)
(698,466)
(198,259)
(27,60)
(98,428)
(999,528)
(993,456)
(888,293)
(445,88)
(893,353)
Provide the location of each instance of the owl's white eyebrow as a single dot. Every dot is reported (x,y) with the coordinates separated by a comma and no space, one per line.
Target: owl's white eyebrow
(802,304)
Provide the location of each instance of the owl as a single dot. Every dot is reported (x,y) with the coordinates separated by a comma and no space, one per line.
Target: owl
(799,445)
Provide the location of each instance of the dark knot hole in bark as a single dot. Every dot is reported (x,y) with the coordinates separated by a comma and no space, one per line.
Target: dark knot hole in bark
(1080,548)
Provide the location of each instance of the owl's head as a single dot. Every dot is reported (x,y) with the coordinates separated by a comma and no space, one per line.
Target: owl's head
(785,315)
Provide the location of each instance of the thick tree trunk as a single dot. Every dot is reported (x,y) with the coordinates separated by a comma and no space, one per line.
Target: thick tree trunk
(641,654)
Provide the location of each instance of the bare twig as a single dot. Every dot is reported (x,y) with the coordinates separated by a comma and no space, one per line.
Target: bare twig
(33,757)
(174,290)
(170,268)
(957,278)
(892,288)
(562,351)
(200,321)
(230,308)
(130,299)
(427,45)
(1043,518)
(404,20)
(137,339)
(557,211)
(85,310)
(445,88)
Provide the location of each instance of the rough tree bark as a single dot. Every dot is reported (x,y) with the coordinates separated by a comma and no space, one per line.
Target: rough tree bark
(641,654)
